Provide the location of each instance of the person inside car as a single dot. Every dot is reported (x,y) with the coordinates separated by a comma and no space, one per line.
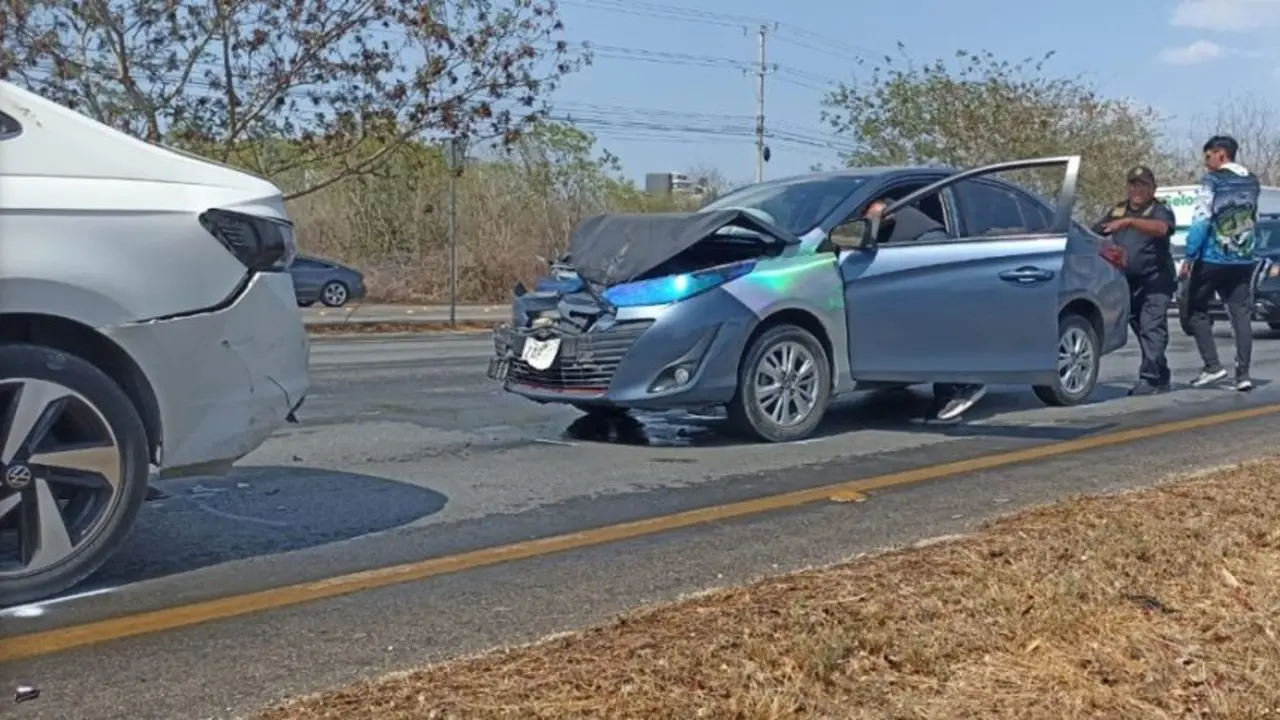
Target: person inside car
(909,224)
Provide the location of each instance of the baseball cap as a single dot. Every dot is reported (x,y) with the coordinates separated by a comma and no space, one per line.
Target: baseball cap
(1143,174)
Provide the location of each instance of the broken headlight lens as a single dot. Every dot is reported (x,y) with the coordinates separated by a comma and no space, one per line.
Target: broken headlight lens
(674,288)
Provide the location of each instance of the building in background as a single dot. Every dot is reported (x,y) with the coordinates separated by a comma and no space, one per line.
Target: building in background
(674,184)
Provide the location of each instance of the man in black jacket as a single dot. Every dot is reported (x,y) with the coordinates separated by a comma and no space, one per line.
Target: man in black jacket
(1143,226)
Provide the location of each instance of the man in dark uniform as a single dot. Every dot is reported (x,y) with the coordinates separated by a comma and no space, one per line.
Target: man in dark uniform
(1143,227)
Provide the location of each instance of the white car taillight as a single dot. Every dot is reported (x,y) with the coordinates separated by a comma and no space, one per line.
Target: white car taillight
(261,244)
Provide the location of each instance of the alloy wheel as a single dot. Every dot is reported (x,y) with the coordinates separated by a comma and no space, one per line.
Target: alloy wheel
(335,294)
(61,474)
(1075,360)
(786,384)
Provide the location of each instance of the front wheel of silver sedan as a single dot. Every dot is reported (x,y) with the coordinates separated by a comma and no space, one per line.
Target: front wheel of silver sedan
(1079,361)
(784,385)
(73,470)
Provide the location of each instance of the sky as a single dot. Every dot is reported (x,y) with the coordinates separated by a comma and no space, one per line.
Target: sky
(670,87)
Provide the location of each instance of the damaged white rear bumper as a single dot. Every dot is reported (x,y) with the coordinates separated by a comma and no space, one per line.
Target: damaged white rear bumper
(224,379)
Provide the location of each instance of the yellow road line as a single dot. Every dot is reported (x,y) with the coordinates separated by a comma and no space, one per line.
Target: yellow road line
(51,641)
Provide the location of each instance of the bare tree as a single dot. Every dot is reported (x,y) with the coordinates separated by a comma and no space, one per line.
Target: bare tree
(1254,122)
(332,87)
(709,179)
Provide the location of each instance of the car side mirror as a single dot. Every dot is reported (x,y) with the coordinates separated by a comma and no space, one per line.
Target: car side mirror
(856,235)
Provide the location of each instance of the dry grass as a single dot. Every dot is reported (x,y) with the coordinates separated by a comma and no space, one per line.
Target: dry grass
(1158,604)
(395,229)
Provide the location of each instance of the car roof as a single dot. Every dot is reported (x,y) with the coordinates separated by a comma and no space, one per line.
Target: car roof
(872,171)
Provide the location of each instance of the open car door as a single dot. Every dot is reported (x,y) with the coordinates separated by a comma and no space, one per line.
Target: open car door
(977,308)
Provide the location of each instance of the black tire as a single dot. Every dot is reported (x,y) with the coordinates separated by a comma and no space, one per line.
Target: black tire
(1057,396)
(744,410)
(40,363)
(324,295)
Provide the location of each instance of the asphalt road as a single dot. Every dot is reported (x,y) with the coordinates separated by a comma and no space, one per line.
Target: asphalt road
(364,313)
(406,452)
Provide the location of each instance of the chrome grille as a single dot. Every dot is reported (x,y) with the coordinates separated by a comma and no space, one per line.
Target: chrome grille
(585,362)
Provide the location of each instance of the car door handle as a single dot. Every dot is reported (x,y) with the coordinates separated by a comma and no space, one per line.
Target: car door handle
(1027,275)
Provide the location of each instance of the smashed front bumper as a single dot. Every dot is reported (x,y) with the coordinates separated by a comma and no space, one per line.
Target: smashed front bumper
(675,356)
(584,365)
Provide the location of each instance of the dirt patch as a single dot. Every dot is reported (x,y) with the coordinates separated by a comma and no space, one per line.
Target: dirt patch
(1158,604)
(384,328)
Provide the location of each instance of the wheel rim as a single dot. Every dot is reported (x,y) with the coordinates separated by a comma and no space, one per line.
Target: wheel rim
(61,472)
(1075,361)
(335,293)
(786,384)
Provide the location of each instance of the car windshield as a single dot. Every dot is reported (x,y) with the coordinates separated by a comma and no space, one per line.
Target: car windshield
(796,205)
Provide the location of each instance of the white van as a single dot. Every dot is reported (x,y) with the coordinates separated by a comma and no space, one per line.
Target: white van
(1181,199)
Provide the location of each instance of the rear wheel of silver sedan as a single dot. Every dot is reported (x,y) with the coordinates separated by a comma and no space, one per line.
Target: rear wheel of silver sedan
(1079,361)
(73,470)
(784,386)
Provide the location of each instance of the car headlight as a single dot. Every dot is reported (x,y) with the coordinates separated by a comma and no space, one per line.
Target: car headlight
(674,288)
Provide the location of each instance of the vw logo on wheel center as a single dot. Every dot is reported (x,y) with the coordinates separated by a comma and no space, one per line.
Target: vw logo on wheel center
(17,476)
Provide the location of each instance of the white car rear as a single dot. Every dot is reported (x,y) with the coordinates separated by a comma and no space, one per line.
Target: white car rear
(147,318)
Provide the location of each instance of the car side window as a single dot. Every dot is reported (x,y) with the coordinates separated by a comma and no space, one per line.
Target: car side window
(993,211)
(9,128)
(1037,215)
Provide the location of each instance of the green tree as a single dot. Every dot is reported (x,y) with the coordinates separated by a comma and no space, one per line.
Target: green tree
(980,109)
(345,82)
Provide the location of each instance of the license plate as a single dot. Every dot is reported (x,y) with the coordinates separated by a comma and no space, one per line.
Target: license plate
(498,369)
(539,354)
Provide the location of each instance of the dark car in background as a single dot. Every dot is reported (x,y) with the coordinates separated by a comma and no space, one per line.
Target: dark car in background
(319,280)
(1266,290)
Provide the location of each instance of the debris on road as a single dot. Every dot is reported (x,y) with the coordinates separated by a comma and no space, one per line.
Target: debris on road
(26,693)
(1065,611)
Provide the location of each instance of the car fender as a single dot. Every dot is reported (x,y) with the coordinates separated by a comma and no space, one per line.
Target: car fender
(1112,305)
(51,297)
(828,316)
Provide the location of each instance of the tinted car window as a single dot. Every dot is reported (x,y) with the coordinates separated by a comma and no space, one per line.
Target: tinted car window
(990,210)
(1268,235)
(796,206)
(1037,215)
(9,128)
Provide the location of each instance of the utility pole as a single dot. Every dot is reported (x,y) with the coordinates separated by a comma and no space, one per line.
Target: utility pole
(759,112)
(455,158)
(762,150)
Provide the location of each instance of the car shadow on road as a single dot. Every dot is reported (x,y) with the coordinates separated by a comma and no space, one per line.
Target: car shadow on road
(908,409)
(194,523)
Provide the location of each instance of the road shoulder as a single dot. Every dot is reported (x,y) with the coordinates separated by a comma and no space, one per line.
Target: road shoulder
(1159,601)
(200,671)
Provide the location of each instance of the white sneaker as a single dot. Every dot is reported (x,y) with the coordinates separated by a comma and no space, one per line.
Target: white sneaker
(1244,384)
(963,400)
(1207,378)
